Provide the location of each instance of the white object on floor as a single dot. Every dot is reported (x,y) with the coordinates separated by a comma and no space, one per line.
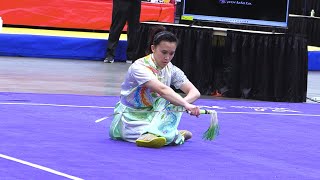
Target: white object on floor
(316,98)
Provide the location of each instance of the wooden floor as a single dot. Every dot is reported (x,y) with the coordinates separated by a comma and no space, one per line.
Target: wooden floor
(63,76)
(60,76)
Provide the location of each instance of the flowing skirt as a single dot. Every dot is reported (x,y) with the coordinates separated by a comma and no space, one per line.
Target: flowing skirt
(162,119)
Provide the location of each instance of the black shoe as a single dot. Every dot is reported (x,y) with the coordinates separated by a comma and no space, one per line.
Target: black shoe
(109,60)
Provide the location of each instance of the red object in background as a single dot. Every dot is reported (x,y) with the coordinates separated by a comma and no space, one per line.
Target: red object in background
(216,93)
(76,14)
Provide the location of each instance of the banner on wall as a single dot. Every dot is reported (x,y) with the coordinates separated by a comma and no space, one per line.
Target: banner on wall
(75,14)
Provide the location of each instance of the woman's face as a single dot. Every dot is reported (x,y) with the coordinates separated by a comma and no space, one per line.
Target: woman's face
(164,52)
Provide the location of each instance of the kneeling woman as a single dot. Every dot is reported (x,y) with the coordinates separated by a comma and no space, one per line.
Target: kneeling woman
(149,110)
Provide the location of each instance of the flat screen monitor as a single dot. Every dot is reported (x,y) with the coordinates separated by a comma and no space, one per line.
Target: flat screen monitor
(252,12)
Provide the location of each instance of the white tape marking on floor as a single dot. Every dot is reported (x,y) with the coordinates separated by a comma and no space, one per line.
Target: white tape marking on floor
(55,105)
(105,107)
(276,114)
(101,119)
(39,167)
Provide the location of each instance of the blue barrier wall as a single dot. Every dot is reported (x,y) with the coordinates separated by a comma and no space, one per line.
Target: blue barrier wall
(57,47)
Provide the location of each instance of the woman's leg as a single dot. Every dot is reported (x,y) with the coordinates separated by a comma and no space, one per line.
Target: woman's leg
(128,124)
(165,122)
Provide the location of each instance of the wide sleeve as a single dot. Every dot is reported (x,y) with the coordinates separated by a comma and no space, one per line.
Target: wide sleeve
(141,73)
(178,77)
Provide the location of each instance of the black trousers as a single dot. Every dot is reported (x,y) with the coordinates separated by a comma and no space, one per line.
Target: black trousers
(124,11)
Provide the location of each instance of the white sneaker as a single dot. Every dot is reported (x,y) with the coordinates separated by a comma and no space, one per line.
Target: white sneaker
(109,60)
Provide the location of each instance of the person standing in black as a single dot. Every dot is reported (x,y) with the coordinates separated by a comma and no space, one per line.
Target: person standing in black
(123,11)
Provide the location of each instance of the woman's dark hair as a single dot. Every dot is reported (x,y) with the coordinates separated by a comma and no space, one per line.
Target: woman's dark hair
(158,34)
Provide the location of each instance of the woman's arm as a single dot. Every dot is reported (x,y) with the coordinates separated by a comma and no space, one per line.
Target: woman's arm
(192,93)
(169,94)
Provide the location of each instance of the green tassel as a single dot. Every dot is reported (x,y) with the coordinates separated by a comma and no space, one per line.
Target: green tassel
(213,130)
(211,133)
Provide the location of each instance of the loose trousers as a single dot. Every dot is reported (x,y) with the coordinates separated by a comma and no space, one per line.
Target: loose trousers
(124,11)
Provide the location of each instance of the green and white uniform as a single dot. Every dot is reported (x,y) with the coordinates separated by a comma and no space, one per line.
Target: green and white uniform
(142,111)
